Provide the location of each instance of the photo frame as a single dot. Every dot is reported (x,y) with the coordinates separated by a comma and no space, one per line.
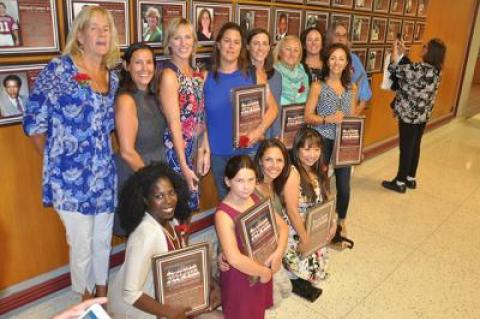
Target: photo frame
(292,1)
(348,145)
(374,60)
(419,32)
(14,94)
(292,119)
(30,27)
(202,61)
(287,22)
(362,54)
(378,31)
(422,8)
(411,7)
(317,225)
(248,109)
(319,2)
(153,17)
(345,4)
(318,19)
(381,6)
(182,277)
(394,29)
(397,7)
(363,5)
(250,17)
(218,13)
(360,29)
(408,28)
(118,8)
(341,18)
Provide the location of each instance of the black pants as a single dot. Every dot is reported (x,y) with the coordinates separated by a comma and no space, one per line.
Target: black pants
(342,180)
(410,139)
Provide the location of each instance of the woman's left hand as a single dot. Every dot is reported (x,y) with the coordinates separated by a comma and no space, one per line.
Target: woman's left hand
(274,262)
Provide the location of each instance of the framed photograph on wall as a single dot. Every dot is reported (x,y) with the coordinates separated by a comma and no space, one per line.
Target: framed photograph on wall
(153,17)
(28,26)
(250,17)
(408,28)
(397,6)
(319,2)
(316,19)
(374,60)
(208,18)
(340,18)
(422,8)
(203,61)
(362,54)
(379,30)
(419,31)
(346,4)
(360,29)
(411,7)
(287,22)
(363,5)
(381,6)
(118,9)
(293,1)
(394,29)
(16,83)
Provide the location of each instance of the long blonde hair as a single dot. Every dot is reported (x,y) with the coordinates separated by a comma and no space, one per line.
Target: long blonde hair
(172,29)
(81,22)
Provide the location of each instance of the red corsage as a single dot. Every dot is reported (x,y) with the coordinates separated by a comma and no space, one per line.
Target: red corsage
(301,89)
(243,142)
(182,229)
(82,78)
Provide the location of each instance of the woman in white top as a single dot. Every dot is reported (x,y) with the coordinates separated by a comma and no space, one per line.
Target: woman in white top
(153,201)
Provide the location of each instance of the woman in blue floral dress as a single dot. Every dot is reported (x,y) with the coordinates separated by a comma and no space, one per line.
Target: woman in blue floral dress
(70,117)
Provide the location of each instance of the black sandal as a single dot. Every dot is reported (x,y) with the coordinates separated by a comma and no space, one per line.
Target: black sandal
(338,238)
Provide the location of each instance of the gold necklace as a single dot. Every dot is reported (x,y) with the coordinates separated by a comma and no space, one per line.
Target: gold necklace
(172,239)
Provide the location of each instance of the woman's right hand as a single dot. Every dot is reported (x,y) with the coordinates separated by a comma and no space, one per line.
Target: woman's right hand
(176,312)
(266,275)
(191,178)
(336,117)
(303,245)
(222,263)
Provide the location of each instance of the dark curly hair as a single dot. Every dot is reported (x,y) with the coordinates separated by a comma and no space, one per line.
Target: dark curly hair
(308,136)
(132,201)
(279,182)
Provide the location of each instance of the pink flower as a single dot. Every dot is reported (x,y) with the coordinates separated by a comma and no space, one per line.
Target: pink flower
(301,89)
(243,141)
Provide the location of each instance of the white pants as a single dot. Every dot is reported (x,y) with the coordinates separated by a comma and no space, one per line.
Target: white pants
(89,239)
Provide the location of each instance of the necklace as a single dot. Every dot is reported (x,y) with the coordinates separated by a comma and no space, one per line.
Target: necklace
(173,240)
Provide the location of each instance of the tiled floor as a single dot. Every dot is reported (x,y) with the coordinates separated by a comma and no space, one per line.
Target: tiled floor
(474,101)
(416,255)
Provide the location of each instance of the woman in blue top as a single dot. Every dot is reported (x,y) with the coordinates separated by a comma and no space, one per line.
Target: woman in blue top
(328,102)
(70,117)
(229,71)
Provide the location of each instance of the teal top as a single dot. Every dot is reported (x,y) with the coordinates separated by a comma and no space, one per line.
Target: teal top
(295,85)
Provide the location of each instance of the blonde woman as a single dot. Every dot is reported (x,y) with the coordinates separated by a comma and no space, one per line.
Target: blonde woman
(70,117)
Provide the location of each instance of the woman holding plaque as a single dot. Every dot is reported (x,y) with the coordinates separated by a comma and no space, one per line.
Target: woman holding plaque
(138,119)
(261,59)
(186,141)
(152,204)
(69,117)
(416,90)
(288,55)
(307,186)
(230,71)
(328,102)
(241,299)
(312,44)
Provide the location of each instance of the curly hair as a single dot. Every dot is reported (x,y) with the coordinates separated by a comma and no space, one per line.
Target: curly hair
(132,201)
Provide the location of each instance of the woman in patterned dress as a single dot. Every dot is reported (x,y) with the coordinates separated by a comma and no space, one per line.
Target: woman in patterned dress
(186,140)
(70,117)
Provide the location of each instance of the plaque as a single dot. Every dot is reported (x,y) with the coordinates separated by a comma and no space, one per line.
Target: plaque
(349,142)
(379,30)
(317,19)
(411,7)
(339,18)
(381,6)
(422,8)
(252,17)
(182,278)
(258,230)
(208,19)
(292,120)
(419,31)
(374,60)
(394,29)
(360,29)
(287,22)
(364,5)
(397,6)
(348,4)
(248,109)
(408,31)
(317,224)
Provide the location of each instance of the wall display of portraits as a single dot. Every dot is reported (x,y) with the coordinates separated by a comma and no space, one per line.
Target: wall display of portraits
(422,8)
(203,61)
(397,6)
(381,6)
(287,22)
(208,18)
(316,19)
(364,5)
(250,17)
(153,17)
(28,26)
(346,4)
(340,18)
(374,60)
(411,7)
(118,9)
(419,31)
(408,28)
(379,30)
(293,1)
(361,53)
(360,29)
(319,2)
(16,83)
(394,30)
